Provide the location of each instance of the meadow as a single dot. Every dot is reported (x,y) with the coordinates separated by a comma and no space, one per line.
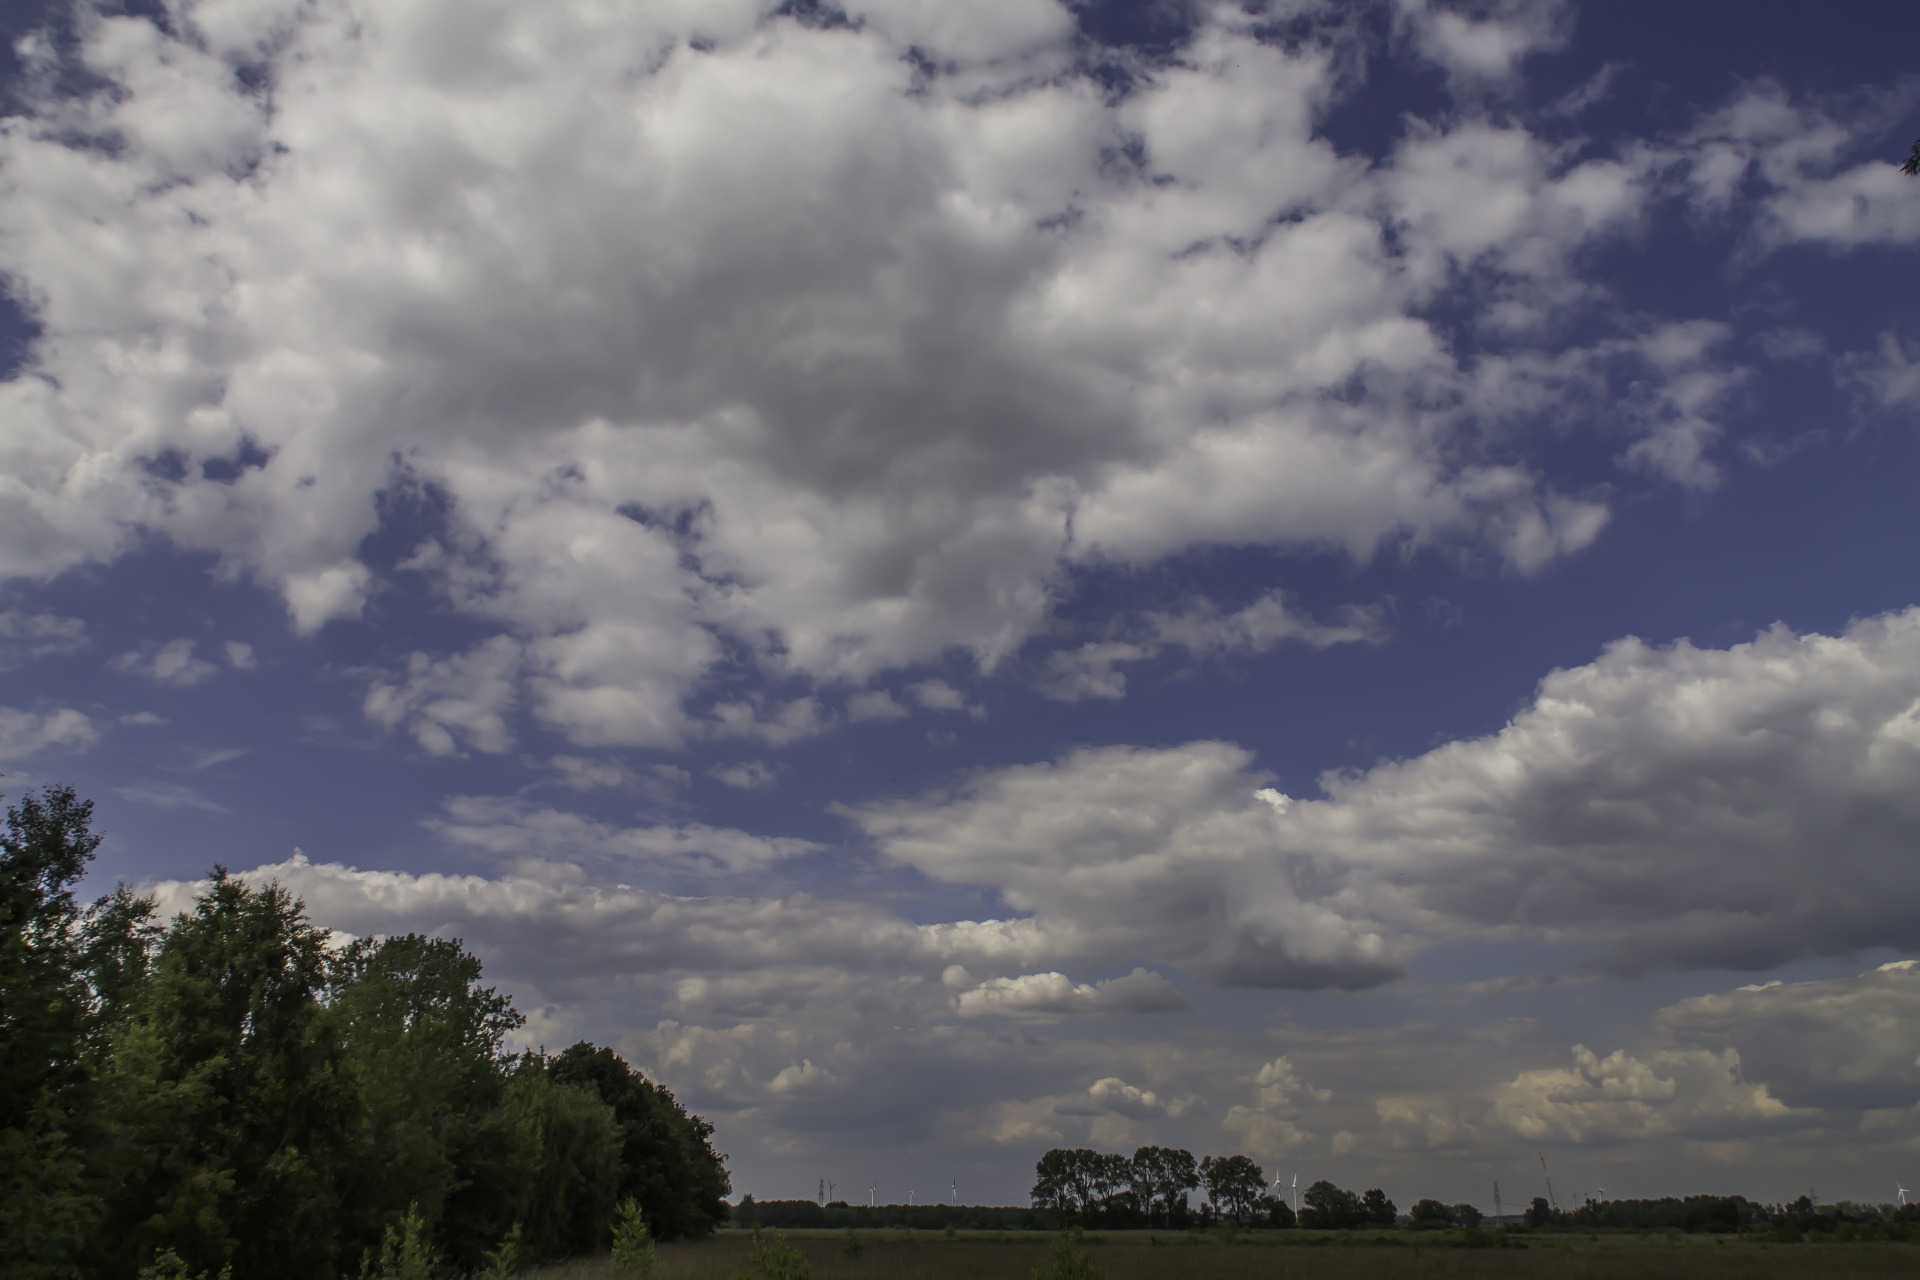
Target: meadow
(1291,1255)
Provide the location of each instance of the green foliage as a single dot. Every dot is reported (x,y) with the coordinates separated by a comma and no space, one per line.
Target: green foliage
(228,1092)
(168,1265)
(405,1254)
(852,1246)
(1233,1184)
(1066,1260)
(778,1260)
(508,1258)
(667,1163)
(633,1252)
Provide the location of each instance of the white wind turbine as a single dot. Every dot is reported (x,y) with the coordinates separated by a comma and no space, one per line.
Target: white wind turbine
(1296,1194)
(1903,1194)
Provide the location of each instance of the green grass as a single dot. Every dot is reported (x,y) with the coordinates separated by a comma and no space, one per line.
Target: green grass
(1280,1255)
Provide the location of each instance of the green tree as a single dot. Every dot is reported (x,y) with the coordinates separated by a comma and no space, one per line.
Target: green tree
(1911,166)
(1161,1178)
(1331,1208)
(633,1251)
(1429,1215)
(567,1162)
(227,1110)
(1233,1184)
(424,1043)
(667,1164)
(47,1212)
(1380,1211)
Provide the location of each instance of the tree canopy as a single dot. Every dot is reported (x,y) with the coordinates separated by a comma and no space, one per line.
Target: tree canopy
(234,1090)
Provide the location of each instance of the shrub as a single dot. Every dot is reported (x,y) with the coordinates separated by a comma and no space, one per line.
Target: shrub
(1065,1261)
(633,1253)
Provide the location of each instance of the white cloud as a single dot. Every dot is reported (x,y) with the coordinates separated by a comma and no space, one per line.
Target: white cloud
(1695,1092)
(514,828)
(25,733)
(748,775)
(25,637)
(240,656)
(469,695)
(1666,807)
(874,704)
(1111,1093)
(641,295)
(1052,995)
(1790,160)
(1886,378)
(1205,631)
(171,665)
(1482,44)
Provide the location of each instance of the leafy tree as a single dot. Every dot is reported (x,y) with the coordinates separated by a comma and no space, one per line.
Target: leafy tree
(568,1162)
(227,1109)
(1468,1216)
(1233,1184)
(1276,1211)
(1911,166)
(424,1043)
(1430,1215)
(667,1163)
(1066,1260)
(1380,1211)
(1331,1208)
(1160,1177)
(1540,1213)
(43,996)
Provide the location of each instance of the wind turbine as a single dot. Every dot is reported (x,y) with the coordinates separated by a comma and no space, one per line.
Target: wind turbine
(1296,1194)
(873,1197)
(831,1184)
(1903,1194)
(953,1192)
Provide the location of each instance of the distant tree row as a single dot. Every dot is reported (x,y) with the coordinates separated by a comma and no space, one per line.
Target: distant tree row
(229,1090)
(1150,1189)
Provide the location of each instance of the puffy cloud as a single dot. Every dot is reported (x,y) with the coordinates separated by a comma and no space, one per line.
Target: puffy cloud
(1885,378)
(1673,804)
(748,775)
(1696,1092)
(1124,852)
(171,665)
(1790,160)
(1843,1044)
(1482,44)
(468,694)
(25,636)
(640,301)
(25,733)
(1111,1093)
(1052,995)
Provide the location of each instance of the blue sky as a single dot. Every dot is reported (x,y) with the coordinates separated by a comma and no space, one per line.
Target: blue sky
(1327,581)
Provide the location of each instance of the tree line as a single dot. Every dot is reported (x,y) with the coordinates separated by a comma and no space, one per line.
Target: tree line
(1150,1189)
(231,1092)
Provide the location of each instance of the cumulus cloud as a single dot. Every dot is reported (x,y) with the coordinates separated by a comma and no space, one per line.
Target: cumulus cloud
(1680,806)
(1052,995)
(171,665)
(1844,1044)
(1481,45)
(1124,852)
(1696,1092)
(747,775)
(468,695)
(640,298)
(1111,1093)
(25,637)
(1791,160)
(25,733)
(1668,807)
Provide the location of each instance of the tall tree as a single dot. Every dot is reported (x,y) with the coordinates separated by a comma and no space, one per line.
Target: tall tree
(1233,1183)
(667,1163)
(46,1211)
(230,1113)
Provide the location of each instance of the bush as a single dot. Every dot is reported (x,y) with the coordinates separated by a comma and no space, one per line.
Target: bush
(1065,1261)
(779,1260)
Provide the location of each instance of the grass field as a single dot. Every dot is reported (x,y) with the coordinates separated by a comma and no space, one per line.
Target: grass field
(889,1255)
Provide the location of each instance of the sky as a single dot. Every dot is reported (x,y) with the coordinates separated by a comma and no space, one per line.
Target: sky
(1328,581)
